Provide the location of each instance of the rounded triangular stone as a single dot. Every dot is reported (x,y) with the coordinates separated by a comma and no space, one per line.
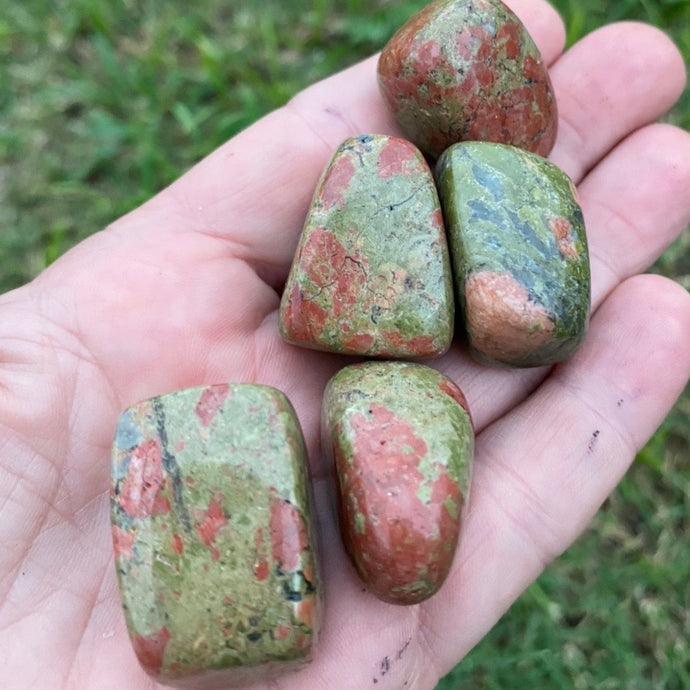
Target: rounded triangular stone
(371,275)
(519,249)
(460,71)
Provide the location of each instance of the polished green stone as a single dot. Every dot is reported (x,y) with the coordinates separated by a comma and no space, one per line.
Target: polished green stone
(214,547)
(371,274)
(402,440)
(519,251)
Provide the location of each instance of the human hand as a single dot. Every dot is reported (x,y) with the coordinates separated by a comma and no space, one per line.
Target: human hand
(185,291)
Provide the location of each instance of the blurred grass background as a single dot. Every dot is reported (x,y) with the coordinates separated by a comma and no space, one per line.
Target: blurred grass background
(104,102)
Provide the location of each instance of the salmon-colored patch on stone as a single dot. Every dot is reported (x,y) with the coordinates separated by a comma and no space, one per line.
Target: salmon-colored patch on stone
(430,55)
(303,319)
(261,570)
(502,322)
(450,388)
(336,276)
(418,345)
(386,441)
(305,611)
(122,542)
(397,157)
(214,519)
(289,536)
(150,649)
(330,266)
(565,240)
(178,544)
(359,343)
(336,182)
(161,504)
(509,36)
(399,547)
(393,57)
(138,495)
(210,401)
(437,219)
(282,632)
(322,256)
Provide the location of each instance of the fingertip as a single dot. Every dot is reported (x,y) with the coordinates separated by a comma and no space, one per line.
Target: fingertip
(666,304)
(648,46)
(613,81)
(670,145)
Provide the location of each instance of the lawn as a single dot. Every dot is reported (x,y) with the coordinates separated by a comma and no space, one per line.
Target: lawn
(104,102)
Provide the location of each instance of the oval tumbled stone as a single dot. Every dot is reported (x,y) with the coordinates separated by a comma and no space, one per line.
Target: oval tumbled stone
(214,547)
(460,71)
(402,440)
(371,275)
(519,250)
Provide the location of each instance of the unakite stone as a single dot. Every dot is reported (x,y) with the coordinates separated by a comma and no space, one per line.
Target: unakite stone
(371,275)
(402,440)
(519,250)
(214,547)
(460,71)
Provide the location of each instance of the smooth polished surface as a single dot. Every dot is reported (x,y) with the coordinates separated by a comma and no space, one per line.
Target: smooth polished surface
(460,71)
(402,440)
(520,258)
(214,549)
(371,275)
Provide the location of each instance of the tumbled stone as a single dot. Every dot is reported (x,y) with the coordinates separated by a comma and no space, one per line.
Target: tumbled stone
(371,275)
(519,249)
(460,71)
(214,548)
(402,440)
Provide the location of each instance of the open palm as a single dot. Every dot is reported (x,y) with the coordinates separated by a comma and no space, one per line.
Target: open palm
(185,291)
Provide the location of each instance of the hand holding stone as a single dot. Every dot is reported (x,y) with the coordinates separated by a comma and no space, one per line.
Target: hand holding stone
(185,291)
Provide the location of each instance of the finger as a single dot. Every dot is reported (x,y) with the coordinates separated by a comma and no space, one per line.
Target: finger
(636,201)
(279,159)
(543,470)
(615,80)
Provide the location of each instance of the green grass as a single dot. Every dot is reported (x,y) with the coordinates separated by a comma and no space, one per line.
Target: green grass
(104,102)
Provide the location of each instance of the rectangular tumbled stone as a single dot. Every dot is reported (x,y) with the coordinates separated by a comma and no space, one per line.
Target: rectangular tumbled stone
(214,547)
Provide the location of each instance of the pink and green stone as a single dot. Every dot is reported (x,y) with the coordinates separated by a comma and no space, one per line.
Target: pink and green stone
(371,275)
(401,437)
(519,248)
(460,71)
(214,548)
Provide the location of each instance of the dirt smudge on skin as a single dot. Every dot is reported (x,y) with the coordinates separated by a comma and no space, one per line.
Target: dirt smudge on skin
(385,666)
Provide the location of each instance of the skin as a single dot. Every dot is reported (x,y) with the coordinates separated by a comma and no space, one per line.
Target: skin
(185,291)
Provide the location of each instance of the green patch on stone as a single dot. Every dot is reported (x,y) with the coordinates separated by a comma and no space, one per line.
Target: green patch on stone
(451,506)
(424,492)
(360,523)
